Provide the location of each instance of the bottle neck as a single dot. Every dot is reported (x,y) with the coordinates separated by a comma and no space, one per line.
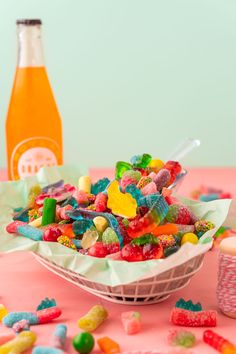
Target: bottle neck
(30,47)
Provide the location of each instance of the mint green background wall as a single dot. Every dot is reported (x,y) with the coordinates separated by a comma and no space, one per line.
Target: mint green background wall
(134,75)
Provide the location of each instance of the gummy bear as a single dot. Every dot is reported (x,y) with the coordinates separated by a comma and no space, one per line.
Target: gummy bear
(121,167)
(141,161)
(122,204)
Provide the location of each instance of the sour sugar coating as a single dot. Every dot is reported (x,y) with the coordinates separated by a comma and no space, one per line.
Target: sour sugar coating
(203,226)
(38,317)
(80,226)
(47,350)
(167,241)
(178,214)
(59,336)
(150,220)
(150,188)
(12,227)
(30,232)
(100,186)
(162,178)
(181,338)
(219,343)
(51,234)
(49,211)
(131,321)
(109,236)
(108,345)
(144,181)
(101,202)
(182,317)
(46,303)
(20,326)
(130,177)
(24,341)
(93,319)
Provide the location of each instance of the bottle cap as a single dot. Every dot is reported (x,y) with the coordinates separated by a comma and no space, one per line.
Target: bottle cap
(228,246)
(29,22)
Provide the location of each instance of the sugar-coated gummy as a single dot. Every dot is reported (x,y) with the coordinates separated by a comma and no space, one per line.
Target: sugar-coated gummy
(13,317)
(182,317)
(93,319)
(109,236)
(46,350)
(188,305)
(100,185)
(46,303)
(80,226)
(19,344)
(59,336)
(30,232)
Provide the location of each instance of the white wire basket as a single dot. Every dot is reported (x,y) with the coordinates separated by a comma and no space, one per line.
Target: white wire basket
(147,291)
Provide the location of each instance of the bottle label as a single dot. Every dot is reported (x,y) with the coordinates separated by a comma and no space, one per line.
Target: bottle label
(32,154)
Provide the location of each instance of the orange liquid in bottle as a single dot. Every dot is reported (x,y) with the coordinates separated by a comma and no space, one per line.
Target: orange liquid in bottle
(33,124)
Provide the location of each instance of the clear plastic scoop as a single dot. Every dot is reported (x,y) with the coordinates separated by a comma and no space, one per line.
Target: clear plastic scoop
(184,149)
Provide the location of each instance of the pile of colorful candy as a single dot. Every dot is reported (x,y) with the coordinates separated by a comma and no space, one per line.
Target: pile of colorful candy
(132,218)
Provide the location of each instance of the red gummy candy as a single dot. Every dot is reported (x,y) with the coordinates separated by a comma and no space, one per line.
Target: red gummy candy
(47,315)
(66,229)
(51,234)
(132,253)
(182,317)
(175,168)
(113,247)
(216,341)
(98,250)
(153,251)
(12,227)
(101,202)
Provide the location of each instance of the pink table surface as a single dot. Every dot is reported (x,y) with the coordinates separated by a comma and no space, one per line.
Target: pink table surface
(24,283)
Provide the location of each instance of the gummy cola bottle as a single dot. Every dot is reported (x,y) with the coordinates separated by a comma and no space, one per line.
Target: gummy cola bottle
(33,124)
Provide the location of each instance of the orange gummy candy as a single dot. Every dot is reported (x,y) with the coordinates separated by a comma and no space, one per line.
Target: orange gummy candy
(108,346)
(167,229)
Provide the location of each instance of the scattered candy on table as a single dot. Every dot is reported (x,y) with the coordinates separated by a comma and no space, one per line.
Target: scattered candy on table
(219,343)
(83,342)
(108,345)
(20,326)
(184,339)
(93,319)
(131,321)
(188,314)
(25,340)
(34,318)
(207,194)
(103,219)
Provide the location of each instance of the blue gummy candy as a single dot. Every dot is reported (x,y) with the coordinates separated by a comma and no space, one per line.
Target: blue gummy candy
(188,305)
(46,350)
(135,192)
(100,186)
(208,197)
(77,243)
(46,303)
(13,317)
(60,332)
(22,215)
(30,232)
(80,226)
(90,214)
(70,201)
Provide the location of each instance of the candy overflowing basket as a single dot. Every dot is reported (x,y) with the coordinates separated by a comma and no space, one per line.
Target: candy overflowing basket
(128,240)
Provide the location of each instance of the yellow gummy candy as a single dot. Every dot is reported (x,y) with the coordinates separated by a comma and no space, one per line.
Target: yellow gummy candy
(84,184)
(21,343)
(122,204)
(94,318)
(156,164)
(189,237)
(3,312)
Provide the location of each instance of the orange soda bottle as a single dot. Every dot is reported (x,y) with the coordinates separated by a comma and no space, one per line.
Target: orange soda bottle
(33,124)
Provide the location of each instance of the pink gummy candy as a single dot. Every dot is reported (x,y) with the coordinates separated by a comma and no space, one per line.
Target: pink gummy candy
(182,317)
(131,321)
(150,188)
(12,227)
(47,315)
(101,202)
